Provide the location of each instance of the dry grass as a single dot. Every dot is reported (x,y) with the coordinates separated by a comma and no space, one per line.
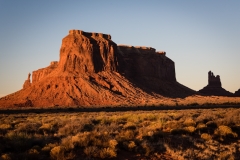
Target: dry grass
(182,134)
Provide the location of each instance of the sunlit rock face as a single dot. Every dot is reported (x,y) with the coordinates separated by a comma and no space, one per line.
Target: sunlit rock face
(27,82)
(214,86)
(83,52)
(95,71)
(43,72)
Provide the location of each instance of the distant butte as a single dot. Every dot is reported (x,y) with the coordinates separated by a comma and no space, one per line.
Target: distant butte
(214,86)
(237,93)
(95,71)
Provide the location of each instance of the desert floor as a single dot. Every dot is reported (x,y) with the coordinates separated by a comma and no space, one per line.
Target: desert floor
(156,134)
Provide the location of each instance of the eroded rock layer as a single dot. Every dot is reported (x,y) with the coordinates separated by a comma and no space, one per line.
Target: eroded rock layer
(95,71)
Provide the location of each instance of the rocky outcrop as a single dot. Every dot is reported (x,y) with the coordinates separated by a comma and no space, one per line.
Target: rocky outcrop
(214,81)
(95,71)
(214,86)
(237,93)
(27,82)
(43,72)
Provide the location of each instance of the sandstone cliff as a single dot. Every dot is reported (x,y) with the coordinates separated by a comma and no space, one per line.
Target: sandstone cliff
(95,71)
(43,72)
(150,70)
(214,86)
(27,82)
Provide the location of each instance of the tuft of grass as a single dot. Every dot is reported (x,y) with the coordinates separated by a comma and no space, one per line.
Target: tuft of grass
(4,128)
(190,129)
(57,153)
(91,151)
(223,132)
(147,147)
(6,156)
(189,122)
(206,136)
(107,153)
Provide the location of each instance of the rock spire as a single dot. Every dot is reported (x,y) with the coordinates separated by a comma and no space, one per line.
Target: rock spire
(214,86)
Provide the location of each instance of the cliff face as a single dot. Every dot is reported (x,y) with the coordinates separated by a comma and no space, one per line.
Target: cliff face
(214,86)
(94,71)
(83,52)
(27,82)
(43,72)
(152,70)
(143,62)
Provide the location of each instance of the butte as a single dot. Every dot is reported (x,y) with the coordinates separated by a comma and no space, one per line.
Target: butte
(94,71)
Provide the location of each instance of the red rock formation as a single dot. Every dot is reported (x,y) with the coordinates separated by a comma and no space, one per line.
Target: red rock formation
(94,71)
(83,52)
(214,86)
(27,82)
(43,72)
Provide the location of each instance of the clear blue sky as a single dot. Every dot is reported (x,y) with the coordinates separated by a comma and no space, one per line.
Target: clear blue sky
(197,35)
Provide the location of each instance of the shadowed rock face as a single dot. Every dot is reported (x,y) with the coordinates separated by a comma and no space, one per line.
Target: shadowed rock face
(148,68)
(142,62)
(94,71)
(237,93)
(214,86)
(214,81)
